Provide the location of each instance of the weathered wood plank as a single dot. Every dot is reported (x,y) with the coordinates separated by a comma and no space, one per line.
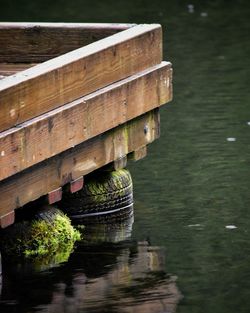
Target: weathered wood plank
(74,163)
(63,79)
(7,69)
(71,124)
(39,42)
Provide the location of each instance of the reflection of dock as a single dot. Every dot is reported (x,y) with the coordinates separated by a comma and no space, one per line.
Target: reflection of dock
(123,278)
(73,98)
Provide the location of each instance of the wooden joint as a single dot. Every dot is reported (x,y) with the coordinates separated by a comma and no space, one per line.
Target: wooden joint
(138,154)
(115,165)
(7,220)
(76,185)
(54,196)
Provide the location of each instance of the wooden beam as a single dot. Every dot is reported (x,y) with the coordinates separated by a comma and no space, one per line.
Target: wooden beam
(63,79)
(71,124)
(6,220)
(76,184)
(39,42)
(54,196)
(74,163)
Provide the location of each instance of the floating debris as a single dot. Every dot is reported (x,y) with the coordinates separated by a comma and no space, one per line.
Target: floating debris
(194,225)
(190,8)
(231,227)
(204,14)
(231,139)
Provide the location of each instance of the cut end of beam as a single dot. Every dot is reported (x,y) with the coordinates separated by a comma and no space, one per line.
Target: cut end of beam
(7,219)
(54,196)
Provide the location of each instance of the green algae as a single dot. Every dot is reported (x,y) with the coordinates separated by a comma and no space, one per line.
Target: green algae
(106,182)
(99,187)
(28,239)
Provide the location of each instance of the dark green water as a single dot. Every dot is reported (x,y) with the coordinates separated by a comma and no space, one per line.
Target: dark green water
(192,185)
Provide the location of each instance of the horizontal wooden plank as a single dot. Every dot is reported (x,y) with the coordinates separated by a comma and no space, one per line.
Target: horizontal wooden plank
(39,42)
(63,79)
(71,124)
(7,69)
(79,161)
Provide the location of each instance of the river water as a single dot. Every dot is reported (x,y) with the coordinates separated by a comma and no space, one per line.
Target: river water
(189,249)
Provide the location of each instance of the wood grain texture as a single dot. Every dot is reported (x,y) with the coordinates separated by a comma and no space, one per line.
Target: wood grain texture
(7,69)
(85,118)
(76,162)
(51,84)
(39,42)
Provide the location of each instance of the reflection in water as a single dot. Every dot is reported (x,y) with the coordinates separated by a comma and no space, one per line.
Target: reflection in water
(116,276)
(109,231)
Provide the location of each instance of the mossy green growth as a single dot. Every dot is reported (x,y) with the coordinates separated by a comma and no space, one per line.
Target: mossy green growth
(43,262)
(107,182)
(102,185)
(40,237)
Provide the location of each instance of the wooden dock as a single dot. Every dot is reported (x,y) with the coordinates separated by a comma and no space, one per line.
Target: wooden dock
(73,98)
